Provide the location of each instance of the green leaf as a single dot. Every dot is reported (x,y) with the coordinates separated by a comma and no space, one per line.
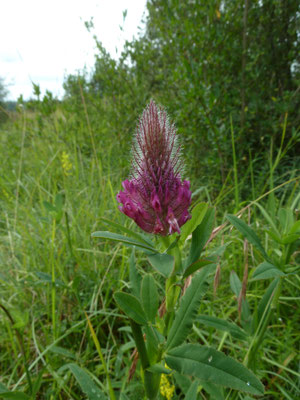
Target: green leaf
(153,339)
(291,249)
(14,396)
(159,368)
(62,352)
(248,233)
(197,213)
(138,236)
(131,307)
(134,276)
(188,310)
(267,299)
(47,278)
(195,266)
(213,366)
(268,218)
(200,236)
(6,394)
(59,202)
(21,318)
(86,383)
(273,235)
(286,219)
(149,297)
(123,239)
(222,325)
(215,391)
(295,228)
(3,388)
(266,270)
(182,381)
(191,394)
(49,207)
(235,283)
(163,263)
(217,252)
(290,238)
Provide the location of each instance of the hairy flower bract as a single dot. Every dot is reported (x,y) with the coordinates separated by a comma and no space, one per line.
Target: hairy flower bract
(155,197)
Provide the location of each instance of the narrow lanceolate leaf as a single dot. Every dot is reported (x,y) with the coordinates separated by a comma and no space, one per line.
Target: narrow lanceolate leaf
(266,271)
(196,266)
(267,299)
(134,277)
(188,309)
(131,307)
(222,325)
(213,366)
(163,263)
(123,239)
(248,233)
(200,236)
(235,283)
(149,297)
(86,383)
(198,213)
(138,236)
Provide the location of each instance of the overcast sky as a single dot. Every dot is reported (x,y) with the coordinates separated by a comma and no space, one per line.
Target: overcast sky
(42,40)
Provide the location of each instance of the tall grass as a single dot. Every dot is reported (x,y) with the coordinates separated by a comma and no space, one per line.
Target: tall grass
(57,284)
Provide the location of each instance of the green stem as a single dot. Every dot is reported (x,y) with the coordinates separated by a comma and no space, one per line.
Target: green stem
(21,343)
(151,381)
(69,235)
(53,288)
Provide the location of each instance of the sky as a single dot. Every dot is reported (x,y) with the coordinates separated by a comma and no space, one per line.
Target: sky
(44,40)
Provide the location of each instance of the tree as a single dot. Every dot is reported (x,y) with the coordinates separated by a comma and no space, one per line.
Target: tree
(3,94)
(214,65)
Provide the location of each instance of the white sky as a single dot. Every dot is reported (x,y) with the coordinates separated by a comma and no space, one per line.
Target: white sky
(43,40)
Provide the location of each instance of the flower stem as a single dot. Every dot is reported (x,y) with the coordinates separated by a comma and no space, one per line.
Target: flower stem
(151,380)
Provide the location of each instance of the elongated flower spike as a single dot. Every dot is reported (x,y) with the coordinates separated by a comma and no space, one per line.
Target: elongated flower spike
(155,197)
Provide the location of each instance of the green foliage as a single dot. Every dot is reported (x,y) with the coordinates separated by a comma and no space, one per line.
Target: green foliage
(86,383)
(210,365)
(3,93)
(208,63)
(187,310)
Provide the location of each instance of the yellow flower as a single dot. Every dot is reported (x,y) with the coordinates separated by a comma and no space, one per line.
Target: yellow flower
(166,388)
(66,163)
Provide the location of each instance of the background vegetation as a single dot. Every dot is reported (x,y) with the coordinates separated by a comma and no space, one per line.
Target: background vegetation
(228,74)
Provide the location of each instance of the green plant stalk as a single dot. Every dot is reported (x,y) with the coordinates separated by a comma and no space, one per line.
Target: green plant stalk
(172,289)
(69,235)
(53,288)
(151,380)
(236,189)
(98,347)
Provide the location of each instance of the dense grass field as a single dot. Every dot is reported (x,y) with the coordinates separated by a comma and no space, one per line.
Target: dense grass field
(62,335)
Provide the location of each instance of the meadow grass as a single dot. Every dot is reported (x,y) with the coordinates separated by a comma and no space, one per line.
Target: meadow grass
(61,334)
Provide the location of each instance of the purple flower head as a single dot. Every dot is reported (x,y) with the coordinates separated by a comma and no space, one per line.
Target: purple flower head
(155,197)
